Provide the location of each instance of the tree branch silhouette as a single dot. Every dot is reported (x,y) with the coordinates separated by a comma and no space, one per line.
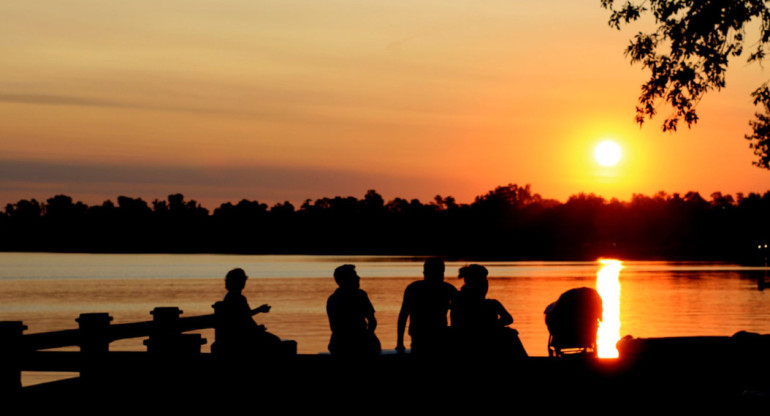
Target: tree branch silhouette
(687,55)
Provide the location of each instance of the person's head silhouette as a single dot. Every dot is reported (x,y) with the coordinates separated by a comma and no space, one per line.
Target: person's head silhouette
(475,276)
(433,270)
(346,277)
(235,280)
(473,273)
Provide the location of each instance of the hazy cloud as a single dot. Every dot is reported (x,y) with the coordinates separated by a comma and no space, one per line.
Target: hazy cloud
(56,100)
(265,183)
(292,108)
(47,99)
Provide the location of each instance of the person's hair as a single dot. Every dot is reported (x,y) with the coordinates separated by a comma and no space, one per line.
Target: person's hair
(235,278)
(473,271)
(434,263)
(342,272)
(433,269)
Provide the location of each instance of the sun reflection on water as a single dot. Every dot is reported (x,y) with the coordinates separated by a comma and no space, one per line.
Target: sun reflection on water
(608,286)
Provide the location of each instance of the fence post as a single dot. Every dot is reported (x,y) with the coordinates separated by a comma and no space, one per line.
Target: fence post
(94,333)
(94,342)
(11,352)
(165,330)
(166,337)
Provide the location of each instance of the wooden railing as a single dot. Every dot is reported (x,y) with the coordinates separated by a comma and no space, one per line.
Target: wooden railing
(165,335)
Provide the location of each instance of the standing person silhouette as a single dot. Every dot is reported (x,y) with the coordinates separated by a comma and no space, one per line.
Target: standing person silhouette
(351,316)
(425,305)
(235,329)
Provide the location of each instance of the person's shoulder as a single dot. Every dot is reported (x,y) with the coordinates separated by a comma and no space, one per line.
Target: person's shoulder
(449,287)
(363,297)
(234,298)
(333,297)
(361,300)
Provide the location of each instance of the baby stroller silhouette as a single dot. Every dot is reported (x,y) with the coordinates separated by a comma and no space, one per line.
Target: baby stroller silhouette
(572,322)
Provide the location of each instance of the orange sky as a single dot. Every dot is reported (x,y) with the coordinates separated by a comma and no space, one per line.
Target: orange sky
(295,99)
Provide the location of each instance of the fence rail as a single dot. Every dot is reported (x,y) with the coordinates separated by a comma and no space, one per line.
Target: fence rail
(165,333)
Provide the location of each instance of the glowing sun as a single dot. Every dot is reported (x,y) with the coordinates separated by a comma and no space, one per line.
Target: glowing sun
(607,153)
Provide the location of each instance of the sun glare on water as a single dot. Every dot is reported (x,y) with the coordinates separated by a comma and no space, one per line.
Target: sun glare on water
(608,286)
(607,153)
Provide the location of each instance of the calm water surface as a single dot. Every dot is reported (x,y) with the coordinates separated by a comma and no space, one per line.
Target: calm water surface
(646,299)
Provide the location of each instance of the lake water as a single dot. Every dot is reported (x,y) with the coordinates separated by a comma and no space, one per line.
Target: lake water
(645,299)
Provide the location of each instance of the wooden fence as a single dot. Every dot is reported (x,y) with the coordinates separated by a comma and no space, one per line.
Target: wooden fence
(166,337)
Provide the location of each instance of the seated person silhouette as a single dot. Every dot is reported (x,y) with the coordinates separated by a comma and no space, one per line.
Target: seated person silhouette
(351,317)
(480,325)
(573,321)
(235,329)
(425,305)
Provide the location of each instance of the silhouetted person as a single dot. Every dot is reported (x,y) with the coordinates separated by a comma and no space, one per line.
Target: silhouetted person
(573,321)
(426,304)
(480,325)
(235,329)
(351,316)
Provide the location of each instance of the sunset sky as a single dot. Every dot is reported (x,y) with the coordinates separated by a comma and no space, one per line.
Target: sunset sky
(294,99)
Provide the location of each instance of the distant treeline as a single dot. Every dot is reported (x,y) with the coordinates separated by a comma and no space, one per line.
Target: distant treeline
(509,222)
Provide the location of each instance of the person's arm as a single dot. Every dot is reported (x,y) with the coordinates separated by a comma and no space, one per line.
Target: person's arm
(332,315)
(369,314)
(262,309)
(401,328)
(503,316)
(403,316)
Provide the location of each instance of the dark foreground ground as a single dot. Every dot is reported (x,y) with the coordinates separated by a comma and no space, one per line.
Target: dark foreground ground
(682,379)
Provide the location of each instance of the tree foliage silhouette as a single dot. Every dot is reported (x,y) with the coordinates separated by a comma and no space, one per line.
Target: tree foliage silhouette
(509,222)
(687,55)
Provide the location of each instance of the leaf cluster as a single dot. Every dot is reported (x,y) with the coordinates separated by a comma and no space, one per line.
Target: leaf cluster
(688,53)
